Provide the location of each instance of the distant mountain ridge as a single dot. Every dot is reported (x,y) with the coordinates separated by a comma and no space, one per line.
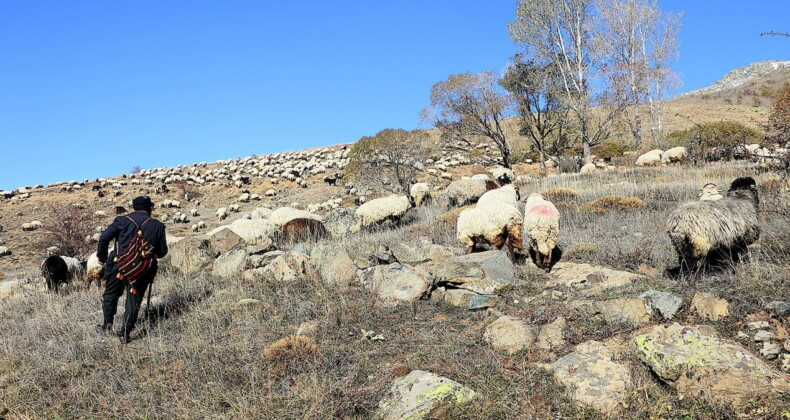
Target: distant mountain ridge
(749,85)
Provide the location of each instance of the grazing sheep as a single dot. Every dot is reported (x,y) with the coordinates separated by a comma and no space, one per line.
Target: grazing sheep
(651,158)
(234,208)
(507,195)
(283,215)
(710,192)
(301,230)
(94,270)
(705,233)
(541,227)
(588,169)
(502,175)
(194,212)
(222,213)
(194,227)
(420,193)
(201,225)
(467,191)
(55,272)
(674,155)
(494,223)
(380,210)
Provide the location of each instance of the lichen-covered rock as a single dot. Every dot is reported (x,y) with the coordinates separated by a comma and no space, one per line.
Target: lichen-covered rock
(709,307)
(593,377)
(490,264)
(417,394)
(510,334)
(468,299)
(225,240)
(699,363)
(396,282)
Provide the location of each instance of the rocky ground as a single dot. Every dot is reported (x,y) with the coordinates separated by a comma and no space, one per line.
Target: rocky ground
(401,323)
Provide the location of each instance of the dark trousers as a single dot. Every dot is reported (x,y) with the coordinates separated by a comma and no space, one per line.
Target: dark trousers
(114,288)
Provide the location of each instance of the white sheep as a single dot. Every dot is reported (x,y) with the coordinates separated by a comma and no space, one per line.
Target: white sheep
(495,223)
(261,213)
(651,158)
(710,192)
(420,193)
(76,267)
(380,210)
(675,155)
(94,270)
(194,227)
(222,213)
(507,195)
(588,169)
(201,225)
(502,175)
(194,212)
(234,208)
(468,191)
(541,228)
(284,215)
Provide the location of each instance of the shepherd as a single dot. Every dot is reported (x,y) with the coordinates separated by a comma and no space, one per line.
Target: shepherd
(132,265)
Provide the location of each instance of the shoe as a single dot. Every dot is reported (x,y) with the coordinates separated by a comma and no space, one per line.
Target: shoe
(104,329)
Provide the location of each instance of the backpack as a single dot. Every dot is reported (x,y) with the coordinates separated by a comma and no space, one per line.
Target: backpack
(135,260)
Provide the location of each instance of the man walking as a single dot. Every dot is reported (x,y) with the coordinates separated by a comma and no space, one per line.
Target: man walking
(123,230)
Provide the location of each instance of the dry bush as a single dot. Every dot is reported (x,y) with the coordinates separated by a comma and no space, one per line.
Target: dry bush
(611,202)
(66,228)
(558,194)
(292,354)
(449,219)
(660,179)
(582,250)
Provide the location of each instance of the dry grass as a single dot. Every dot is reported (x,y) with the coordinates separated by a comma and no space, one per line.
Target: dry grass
(611,202)
(196,357)
(558,194)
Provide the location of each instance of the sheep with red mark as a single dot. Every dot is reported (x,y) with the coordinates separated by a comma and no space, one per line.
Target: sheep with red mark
(541,228)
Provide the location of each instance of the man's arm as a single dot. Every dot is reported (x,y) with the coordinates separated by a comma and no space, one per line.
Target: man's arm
(161,246)
(107,236)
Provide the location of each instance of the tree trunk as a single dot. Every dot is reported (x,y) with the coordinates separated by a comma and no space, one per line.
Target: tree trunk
(543,170)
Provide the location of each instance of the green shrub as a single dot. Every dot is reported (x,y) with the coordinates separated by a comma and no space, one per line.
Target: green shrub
(715,140)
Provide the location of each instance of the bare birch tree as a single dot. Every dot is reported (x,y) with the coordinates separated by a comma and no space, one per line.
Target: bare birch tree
(537,89)
(469,105)
(562,32)
(642,41)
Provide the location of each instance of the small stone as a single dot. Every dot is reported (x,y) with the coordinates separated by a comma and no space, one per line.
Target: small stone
(785,358)
(763,336)
(770,350)
(663,303)
(758,325)
(510,334)
(709,307)
(743,336)
(556,295)
(779,307)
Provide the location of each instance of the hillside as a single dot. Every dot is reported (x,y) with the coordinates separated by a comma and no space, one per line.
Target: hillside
(399,320)
(752,85)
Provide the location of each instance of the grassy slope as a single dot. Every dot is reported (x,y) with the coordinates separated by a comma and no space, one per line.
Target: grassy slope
(199,358)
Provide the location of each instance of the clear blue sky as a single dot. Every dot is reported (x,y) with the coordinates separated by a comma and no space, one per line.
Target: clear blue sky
(90,89)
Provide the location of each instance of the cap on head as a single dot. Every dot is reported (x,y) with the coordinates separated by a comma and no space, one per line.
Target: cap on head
(142,203)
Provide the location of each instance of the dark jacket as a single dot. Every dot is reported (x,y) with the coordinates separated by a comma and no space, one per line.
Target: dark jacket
(124,230)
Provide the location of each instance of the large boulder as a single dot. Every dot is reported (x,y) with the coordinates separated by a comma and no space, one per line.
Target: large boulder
(191,254)
(510,334)
(698,362)
(494,264)
(225,240)
(253,231)
(593,377)
(290,267)
(418,253)
(230,264)
(334,265)
(419,393)
(339,221)
(396,282)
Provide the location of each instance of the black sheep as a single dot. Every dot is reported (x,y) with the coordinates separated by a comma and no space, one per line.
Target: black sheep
(55,271)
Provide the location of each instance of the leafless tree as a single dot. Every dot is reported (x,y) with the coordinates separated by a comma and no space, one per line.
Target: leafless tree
(642,41)
(66,228)
(563,33)
(468,105)
(389,160)
(774,33)
(537,89)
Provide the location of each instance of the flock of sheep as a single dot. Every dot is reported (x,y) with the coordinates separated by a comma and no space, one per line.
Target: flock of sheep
(712,228)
